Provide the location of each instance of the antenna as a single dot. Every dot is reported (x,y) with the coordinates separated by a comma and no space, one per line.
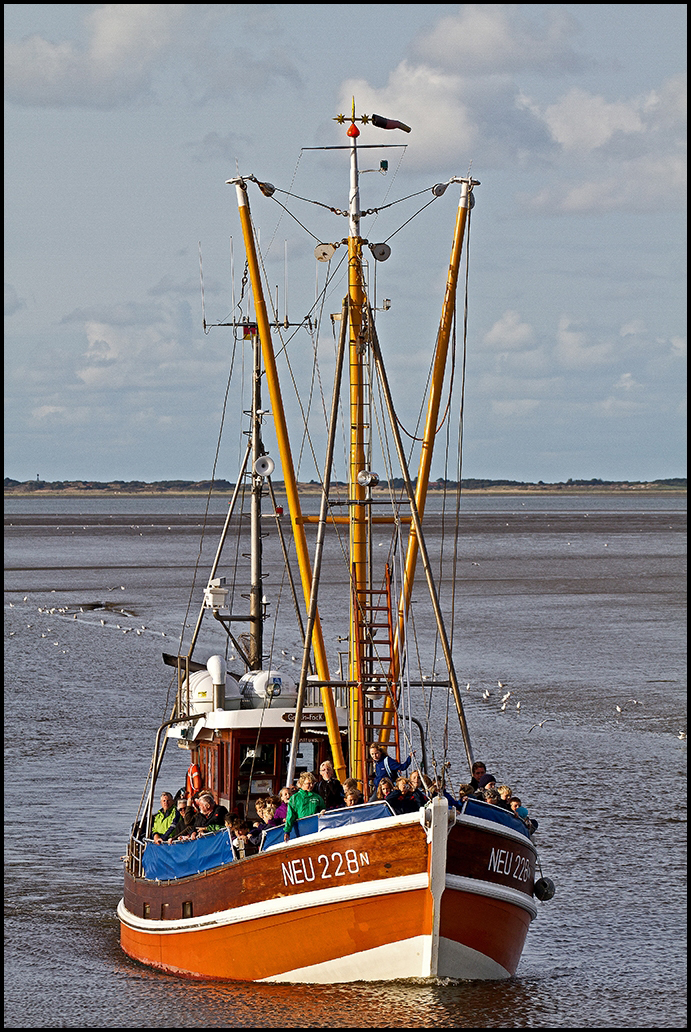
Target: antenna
(201,284)
(285,284)
(232,279)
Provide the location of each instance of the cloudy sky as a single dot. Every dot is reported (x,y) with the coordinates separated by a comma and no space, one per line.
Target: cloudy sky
(123,121)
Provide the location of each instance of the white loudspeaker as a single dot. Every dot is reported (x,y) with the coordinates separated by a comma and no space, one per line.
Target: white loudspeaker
(264,466)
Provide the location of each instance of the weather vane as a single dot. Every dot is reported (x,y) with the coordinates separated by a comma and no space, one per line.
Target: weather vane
(377,120)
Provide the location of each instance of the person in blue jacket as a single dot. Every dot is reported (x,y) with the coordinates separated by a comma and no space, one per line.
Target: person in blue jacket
(384,766)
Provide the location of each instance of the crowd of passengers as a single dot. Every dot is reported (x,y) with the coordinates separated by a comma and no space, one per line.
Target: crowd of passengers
(191,816)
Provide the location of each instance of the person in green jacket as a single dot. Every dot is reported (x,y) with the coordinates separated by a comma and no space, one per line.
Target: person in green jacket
(304,803)
(166,816)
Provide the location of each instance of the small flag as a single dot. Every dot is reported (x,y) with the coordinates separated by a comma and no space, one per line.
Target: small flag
(389,123)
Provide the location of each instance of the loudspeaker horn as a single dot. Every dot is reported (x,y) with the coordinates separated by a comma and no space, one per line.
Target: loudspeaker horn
(264,466)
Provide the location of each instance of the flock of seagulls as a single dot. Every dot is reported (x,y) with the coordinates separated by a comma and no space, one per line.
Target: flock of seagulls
(63,611)
(504,700)
(67,611)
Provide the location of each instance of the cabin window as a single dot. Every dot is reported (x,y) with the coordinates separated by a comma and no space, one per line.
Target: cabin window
(256,774)
(307,757)
(164,911)
(146,910)
(187,908)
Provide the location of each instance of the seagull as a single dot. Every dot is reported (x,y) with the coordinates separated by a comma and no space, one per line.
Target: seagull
(103,623)
(467,687)
(505,697)
(518,705)
(537,725)
(682,735)
(503,707)
(499,684)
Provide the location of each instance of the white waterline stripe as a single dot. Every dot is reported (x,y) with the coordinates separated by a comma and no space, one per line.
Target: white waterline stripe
(492,891)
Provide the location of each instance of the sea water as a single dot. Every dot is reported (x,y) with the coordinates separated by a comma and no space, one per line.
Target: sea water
(577,605)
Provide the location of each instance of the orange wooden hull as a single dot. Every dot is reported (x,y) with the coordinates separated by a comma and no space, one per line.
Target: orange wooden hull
(315,911)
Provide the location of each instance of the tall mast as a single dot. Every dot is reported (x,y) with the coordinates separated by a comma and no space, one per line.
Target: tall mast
(356,490)
(434,403)
(293,497)
(256,581)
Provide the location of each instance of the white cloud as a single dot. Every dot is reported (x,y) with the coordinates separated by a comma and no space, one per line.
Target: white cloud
(519,408)
(125,350)
(573,349)
(626,382)
(114,67)
(582,121)
(501,39)
(627,154)
(424,98)
(510,332)
(634,328)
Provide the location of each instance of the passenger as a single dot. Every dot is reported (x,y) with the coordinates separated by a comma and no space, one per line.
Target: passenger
(384,766)
(492,796)
(353,797)
(259,807)
(269,820)
(402,799)
(384,788)
(211,817)
(485,781)
(284,796)
(505,794)
(419,788)
(243,841)
(330,788)
(476,772)
(164,818)
(185,828)
(351,783)
(522,813)
(304,803)
(518,807)
(272,821)
(465,790)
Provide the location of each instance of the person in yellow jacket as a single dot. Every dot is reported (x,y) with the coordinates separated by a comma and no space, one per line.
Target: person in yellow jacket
(165,818)
(304,803)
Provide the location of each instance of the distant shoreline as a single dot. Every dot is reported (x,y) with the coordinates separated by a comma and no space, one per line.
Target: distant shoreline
(151,491)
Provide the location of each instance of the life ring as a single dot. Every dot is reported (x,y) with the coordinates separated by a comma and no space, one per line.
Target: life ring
(194,779)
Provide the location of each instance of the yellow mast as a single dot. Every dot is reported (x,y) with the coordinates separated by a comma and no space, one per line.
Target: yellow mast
(356,490)
(302,553)
(434,404)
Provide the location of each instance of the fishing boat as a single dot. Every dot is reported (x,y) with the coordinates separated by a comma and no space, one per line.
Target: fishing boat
(357,892)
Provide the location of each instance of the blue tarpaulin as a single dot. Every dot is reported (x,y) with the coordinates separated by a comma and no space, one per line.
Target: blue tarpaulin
(329,819)
(354,815)
(165,862)
(476,808)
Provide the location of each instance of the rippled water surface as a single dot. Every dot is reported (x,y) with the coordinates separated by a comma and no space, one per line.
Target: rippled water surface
(576,608)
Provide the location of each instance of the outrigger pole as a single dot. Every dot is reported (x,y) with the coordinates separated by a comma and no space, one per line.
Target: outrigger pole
(433,407)
(422,547)
(302,553)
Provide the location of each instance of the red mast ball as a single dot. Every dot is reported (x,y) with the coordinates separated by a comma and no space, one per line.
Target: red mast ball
(389,123)
(352,130)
